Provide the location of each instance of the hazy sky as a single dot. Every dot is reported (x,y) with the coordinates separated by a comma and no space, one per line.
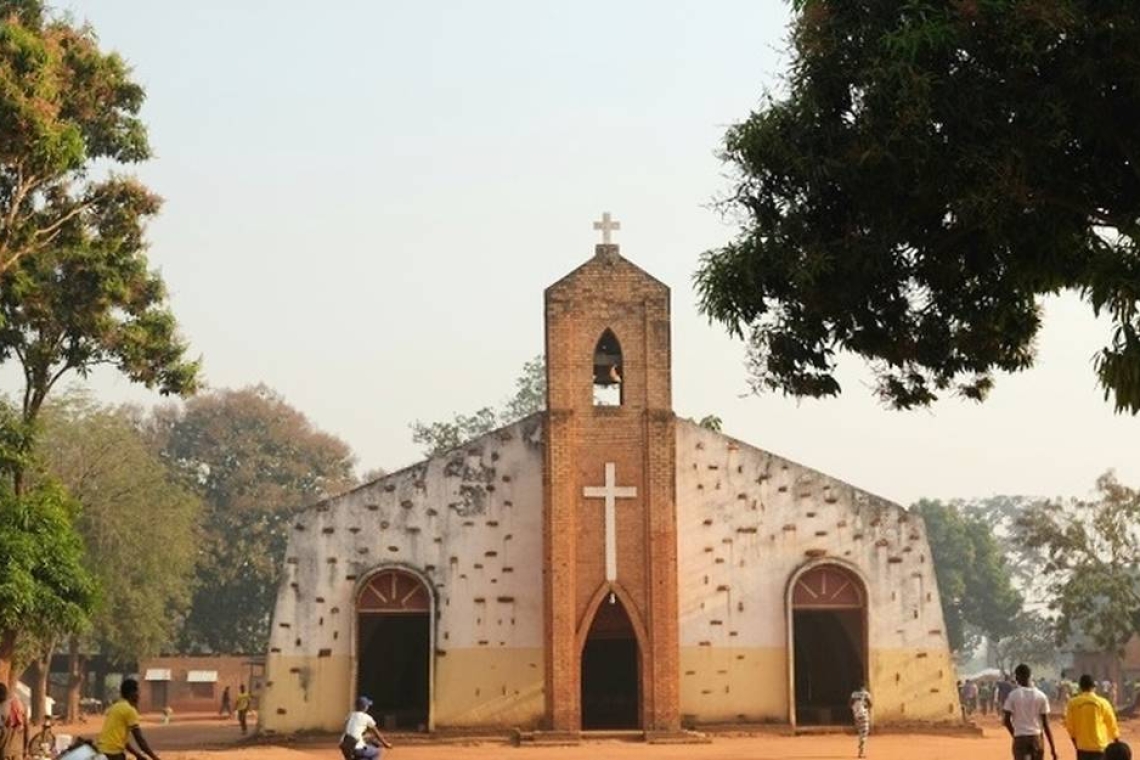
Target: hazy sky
(365,200)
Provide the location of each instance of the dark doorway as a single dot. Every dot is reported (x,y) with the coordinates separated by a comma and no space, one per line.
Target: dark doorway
(158,695)
(393,669)
(829,644)
(394,649)
(829,666)
(611,672)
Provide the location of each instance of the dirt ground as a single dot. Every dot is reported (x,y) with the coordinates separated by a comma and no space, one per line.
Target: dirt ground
(210,739)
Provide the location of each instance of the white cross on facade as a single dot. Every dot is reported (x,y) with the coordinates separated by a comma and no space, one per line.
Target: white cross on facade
(610,492)
(607,225)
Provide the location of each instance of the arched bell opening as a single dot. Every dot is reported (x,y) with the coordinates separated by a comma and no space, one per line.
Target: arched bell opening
(611,670)
(608,370)
(829,643)
(393,648)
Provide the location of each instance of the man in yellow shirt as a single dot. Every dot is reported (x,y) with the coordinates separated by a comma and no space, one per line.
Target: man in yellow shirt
(242,706)
(121,725)
(1091,721)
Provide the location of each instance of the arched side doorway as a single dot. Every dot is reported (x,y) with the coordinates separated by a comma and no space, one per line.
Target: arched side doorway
(611,670)
(828,635)
(393,648)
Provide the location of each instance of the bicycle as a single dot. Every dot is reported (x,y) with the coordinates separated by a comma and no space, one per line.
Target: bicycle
(42,745)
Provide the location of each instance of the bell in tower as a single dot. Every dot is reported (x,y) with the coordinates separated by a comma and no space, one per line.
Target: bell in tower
(607,370)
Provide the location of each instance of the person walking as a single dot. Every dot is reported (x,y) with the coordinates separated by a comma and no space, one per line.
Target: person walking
(358,728)
(242,707)
(121,726)
(970,693)
(1090,721)
(861,711)
(13,726)
(227,707)
(1026,717)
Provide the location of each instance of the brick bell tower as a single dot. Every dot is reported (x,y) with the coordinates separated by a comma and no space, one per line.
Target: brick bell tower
(610,529)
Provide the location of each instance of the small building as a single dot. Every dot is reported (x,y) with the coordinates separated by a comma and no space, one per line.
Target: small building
(606,565)
(1119,667)
(194,684)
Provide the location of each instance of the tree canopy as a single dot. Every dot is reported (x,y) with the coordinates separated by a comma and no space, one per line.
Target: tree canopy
(974,579)
(1091,552)
(930,171)
(255,460)
(65,105)
(138,524)
(529,397)
(45,589)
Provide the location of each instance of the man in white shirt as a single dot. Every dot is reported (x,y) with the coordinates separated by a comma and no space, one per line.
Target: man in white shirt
(357,728)
(1026,717)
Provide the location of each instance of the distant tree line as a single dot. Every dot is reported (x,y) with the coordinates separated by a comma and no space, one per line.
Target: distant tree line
(1029,576)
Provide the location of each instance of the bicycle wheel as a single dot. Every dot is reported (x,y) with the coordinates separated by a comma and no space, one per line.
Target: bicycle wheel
(42,745)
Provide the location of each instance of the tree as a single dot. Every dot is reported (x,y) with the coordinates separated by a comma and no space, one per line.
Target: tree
(437,437)
(1032,641)
(138,524)
(65,107)
(973,577)
(530,391)
(373,474)
(45,590)
(933,170)
(86,298)
(712,422)
(255,461)
(75,289)
(1091,554)
(529,397)
(71,309)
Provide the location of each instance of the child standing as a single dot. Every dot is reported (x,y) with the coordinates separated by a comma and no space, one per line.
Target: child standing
(861,710)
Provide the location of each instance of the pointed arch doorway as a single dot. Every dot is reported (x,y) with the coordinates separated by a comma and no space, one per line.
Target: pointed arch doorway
(611,670)
(828,633)
(393,649)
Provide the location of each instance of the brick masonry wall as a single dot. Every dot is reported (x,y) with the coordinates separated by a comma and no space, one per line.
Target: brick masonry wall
(184,697)
(609,292)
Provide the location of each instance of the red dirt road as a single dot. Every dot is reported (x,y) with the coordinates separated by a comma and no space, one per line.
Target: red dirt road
(176,742)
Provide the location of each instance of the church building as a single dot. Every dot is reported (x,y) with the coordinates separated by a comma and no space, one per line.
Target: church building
(606,565)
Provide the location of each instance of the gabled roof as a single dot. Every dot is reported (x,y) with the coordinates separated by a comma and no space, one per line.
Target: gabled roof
(606,256)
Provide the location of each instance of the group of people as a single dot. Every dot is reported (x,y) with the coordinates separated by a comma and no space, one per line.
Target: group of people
(984,697)
(120,733)
(241,706)
(1090,720)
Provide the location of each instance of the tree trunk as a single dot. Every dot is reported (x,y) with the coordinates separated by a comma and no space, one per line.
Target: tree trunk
(7,653)
(41,668)
(76,677)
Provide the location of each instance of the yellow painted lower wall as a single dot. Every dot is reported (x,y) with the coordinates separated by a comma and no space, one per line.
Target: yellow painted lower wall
(473,688)
(733,685)
(730,685)
(914,685)
(305,693)
(489,687)
(496,688)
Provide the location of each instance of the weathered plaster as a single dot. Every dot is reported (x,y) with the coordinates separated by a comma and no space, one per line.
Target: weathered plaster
(748,521)
(470,522)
